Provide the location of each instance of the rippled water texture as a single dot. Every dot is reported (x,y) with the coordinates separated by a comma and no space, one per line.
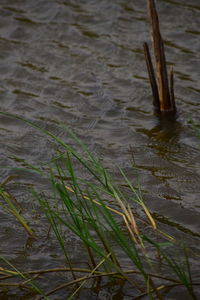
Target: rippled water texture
(81,62)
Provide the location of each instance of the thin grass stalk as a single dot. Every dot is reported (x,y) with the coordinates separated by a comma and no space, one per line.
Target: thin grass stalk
(97,225)
(23,276)
(180,272)
(154,289)
(91,256)
(50,217)
(139,200)
(92,272)
(133,222)
(15,212)
(149,291)
(189,273)
(96,202)
(140,243)
(130,231)
(81,270)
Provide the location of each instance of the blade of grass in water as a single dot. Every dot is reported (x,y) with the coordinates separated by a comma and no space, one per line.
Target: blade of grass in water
(11,208)
(23,276)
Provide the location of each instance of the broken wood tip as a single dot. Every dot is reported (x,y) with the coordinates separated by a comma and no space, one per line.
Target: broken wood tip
(162,87)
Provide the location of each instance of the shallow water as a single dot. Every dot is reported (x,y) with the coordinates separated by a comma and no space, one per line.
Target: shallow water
(81,63)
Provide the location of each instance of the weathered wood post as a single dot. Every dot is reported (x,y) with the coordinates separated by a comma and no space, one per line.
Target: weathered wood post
(163,94)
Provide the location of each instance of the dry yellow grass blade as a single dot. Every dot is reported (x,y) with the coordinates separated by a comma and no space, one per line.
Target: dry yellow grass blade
(151,219)
(135,227)
(125,216)
(87,198)
(130,231)
(11,208)
(133,222)
(7,272)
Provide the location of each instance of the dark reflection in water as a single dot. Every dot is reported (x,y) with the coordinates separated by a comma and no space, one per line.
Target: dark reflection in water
(81,63)
(165,135)
(167,129)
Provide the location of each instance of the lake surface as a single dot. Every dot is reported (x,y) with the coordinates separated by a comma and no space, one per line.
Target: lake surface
(81,63)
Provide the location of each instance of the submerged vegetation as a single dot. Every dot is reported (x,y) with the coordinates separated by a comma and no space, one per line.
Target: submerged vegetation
(118,237)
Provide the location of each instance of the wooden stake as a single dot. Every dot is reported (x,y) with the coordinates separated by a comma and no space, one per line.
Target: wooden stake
(161,69)
(152,77)
(171,78)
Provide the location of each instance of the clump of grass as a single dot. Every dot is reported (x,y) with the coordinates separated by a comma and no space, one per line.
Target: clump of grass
(103,214)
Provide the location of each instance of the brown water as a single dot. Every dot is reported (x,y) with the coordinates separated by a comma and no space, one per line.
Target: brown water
(81,62)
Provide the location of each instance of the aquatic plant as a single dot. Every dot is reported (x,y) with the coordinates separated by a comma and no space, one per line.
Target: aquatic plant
(118,234)
(10,205)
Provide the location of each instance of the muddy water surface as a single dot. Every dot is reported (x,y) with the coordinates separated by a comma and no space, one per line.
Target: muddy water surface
(80,62)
